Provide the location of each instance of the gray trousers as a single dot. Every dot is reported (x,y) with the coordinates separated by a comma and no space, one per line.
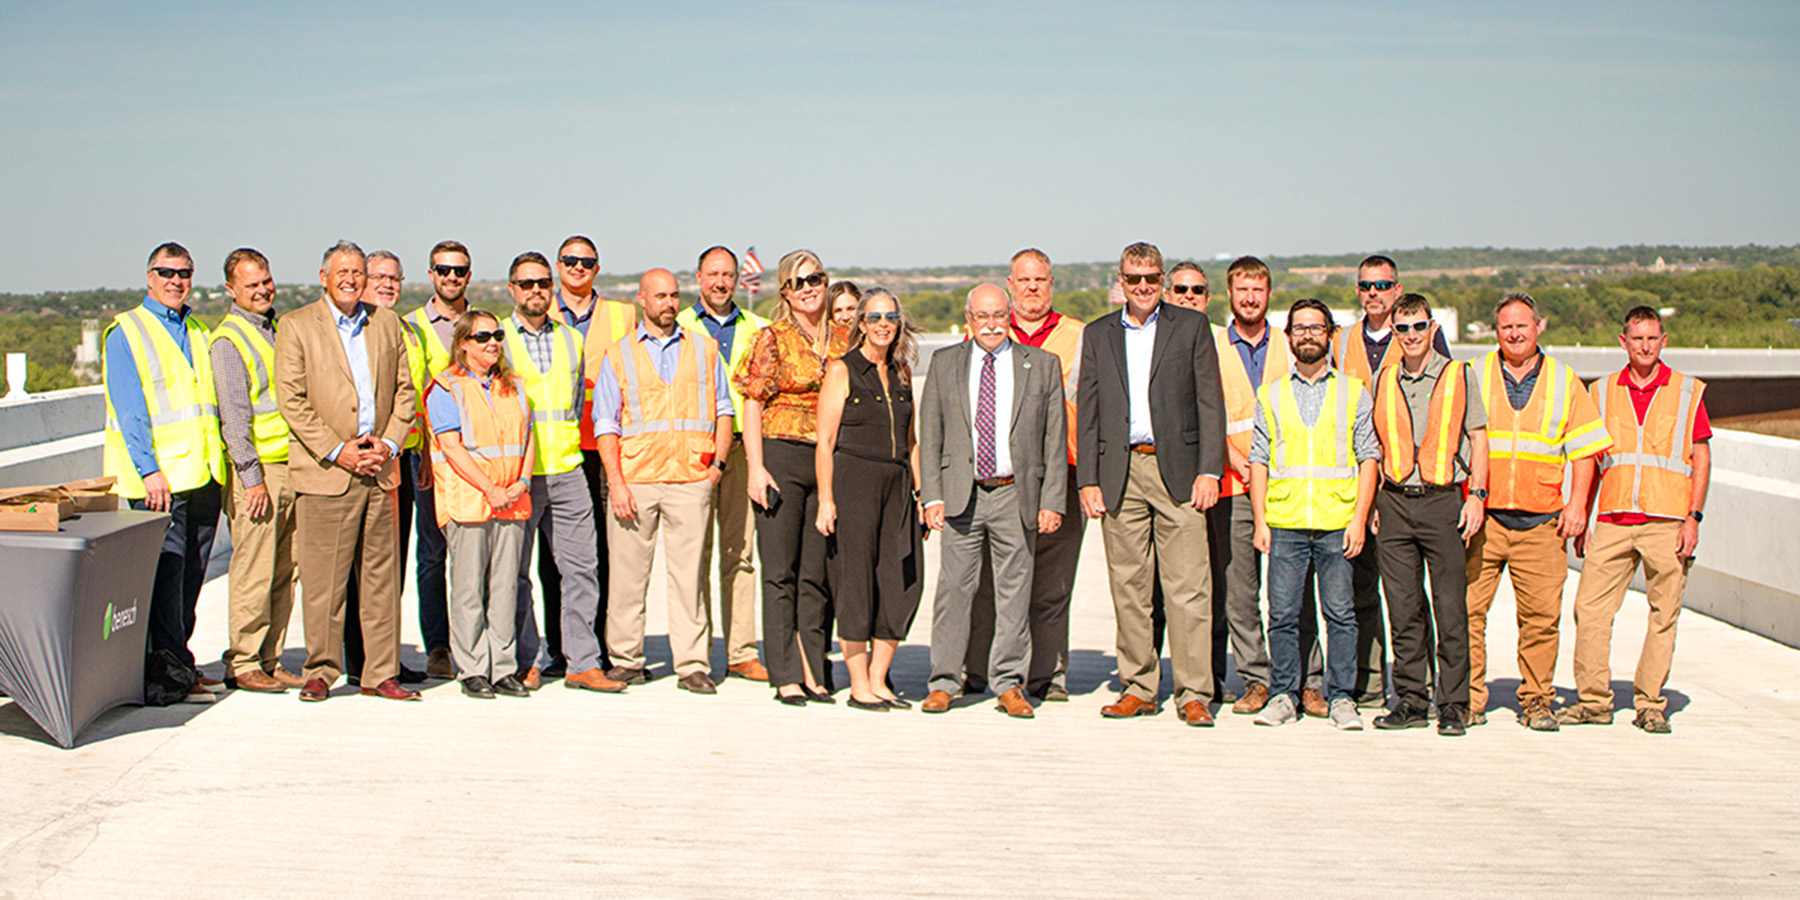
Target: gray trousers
(1052,588)
(562,513)
(991,523)
(484,568)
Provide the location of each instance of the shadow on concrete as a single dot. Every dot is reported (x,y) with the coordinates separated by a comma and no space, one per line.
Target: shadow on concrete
(1503,693)
(113,723)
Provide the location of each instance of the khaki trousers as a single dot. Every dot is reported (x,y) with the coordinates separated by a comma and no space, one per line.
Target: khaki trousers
(358,528)
(261,575)
(736,530)
(1149,534)
(1613,554)
(1539,565)
(680,513)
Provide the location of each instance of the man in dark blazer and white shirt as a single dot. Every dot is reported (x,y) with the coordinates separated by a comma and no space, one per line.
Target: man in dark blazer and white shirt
(1150,446)
(990,419)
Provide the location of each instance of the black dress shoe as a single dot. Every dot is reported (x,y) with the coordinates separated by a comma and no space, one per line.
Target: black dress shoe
(410,676)
(511,686)
(628,676)
(871,706)
(353,679)
(820,696)
(791,700)
(897,703)
(479,687)
(1404,715)
(1450,721)
(557,668)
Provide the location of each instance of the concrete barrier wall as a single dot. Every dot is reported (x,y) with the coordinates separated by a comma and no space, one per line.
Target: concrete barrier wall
(52,437)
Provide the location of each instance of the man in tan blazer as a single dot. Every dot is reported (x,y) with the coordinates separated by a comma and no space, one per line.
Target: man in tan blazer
(341,381)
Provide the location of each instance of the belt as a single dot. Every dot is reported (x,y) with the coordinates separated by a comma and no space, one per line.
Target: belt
(991,483)
(1144,448)
(1420,490)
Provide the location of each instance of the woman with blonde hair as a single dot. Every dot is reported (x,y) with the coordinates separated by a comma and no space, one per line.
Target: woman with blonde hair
(779,379)
(867,451)
(480,460)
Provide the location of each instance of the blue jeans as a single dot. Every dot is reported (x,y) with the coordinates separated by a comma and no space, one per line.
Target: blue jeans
(1291,552)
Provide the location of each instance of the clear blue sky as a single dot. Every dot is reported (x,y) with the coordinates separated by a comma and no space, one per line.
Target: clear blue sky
(883,134)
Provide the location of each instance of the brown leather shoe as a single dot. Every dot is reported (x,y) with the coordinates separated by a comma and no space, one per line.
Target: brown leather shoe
(257,681)
(532,679)
(438,664)
(751,670)
(1196,714)
(1313,704)
(315,690)
(593,680)
(286,678)
(936,702)
(391,690)
(1014,704)
(1252,702)
(1127,706)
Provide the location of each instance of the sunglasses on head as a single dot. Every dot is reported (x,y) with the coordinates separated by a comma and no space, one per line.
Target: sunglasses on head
(166,272)
(1153,278)
(447,271)
(1407,327)
(890,315)
(1197,290)
(1376,285)
(485,337)
(816,279)
(530,283)
(580,262)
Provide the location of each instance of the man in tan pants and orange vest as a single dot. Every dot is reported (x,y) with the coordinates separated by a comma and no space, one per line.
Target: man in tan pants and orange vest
(663,422)
(1650,499)
(1539,418)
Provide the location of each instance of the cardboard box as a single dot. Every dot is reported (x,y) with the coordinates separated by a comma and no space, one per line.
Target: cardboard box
(93,494)
(34,508)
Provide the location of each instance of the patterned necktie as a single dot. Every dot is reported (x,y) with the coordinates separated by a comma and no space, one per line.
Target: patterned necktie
(984,421)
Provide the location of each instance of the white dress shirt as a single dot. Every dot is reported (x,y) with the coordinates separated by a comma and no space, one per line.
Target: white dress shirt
(1003,391)
(1140,344)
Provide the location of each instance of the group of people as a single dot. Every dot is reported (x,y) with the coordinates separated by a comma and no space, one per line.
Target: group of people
(1360,460)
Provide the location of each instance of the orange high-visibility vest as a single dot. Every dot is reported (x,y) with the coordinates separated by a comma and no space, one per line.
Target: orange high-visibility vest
(1240,397)
(1527,448)
(610,321)
(1650,468)
(1352,355)
(494,429)
(1434,456)
(666,430)
(1064,340)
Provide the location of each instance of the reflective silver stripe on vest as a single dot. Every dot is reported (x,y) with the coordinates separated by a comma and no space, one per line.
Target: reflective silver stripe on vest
(635,406)
(159,379)
(1642,460)
(1340,444)
(540,416)
(495,451)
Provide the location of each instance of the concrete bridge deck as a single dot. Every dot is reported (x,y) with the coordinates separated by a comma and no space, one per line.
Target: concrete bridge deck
(658,793)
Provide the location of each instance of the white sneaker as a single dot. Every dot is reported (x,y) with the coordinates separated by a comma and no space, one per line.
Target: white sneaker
(199,695)
(1343,715)
(1280,711)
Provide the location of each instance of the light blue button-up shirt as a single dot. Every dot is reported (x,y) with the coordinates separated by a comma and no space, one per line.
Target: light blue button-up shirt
(351,334)
(1140,344)
(666,353)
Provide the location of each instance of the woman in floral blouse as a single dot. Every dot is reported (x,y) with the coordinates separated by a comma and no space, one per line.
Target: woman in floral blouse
(779,380)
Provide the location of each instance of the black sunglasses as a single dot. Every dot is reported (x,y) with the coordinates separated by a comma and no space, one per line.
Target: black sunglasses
(1197,290)
(580,262)
(447,271)
(1140,279)
(166,272)
(816,279)
(890,315)
(1376,285)
(529,283)
(484,337)
(1405,327)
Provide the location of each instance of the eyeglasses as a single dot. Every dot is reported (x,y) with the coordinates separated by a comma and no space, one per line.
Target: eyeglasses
(447,271)
(1154,278)
(166,272)
(393,278)
(816,279)
(526,284)
(873,317)
(1406,327)
(1376,285)
(485,337)
(580,262)
(1309,329)
(1198,290)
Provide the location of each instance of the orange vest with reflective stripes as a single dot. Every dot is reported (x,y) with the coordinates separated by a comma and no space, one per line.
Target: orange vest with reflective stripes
(1240,397)
(666,430)
(609,321)
(494,429)
(1434,455)
(1064,340)
(1527,448)
(1650,468)
(1352,355)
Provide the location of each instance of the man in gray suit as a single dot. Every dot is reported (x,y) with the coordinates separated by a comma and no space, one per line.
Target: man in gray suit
(987,425)
(1150,447)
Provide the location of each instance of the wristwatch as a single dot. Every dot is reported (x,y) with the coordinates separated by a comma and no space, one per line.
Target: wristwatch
(1481,493)
(1697,516)
(719,464)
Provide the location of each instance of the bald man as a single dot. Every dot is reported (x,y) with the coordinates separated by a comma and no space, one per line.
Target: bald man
(663,446)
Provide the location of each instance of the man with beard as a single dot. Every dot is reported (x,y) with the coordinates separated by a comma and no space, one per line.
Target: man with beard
(1313,460)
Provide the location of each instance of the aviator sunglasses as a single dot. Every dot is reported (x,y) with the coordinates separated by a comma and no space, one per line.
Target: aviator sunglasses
(873,317)
(1195,289)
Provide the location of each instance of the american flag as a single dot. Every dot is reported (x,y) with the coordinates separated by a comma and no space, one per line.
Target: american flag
(753,268)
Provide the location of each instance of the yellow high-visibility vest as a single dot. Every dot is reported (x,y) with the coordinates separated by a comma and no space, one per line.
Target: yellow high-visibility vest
(555,404)
(268,430)
(1312,471)
(184,415)
(415,370)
